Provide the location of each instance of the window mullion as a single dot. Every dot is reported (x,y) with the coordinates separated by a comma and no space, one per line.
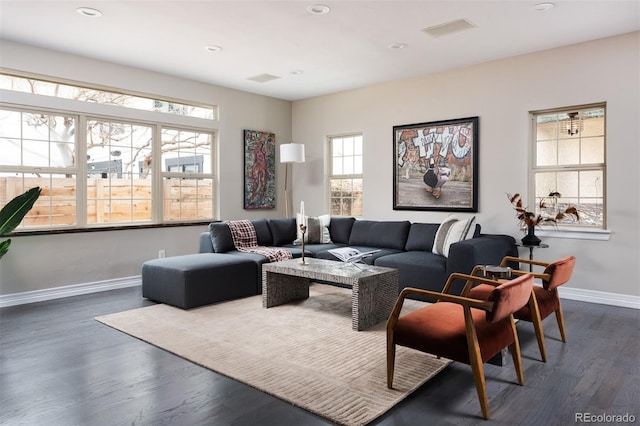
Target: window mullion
(157,176)
(81,178)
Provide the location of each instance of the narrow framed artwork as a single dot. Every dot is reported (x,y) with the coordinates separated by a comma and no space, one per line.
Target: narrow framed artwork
(259,170)
(435,166)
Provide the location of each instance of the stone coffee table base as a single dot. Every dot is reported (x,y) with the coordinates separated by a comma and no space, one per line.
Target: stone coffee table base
(374,289)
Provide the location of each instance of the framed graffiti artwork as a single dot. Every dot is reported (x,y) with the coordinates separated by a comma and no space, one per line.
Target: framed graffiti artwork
(435,166)
(259,170)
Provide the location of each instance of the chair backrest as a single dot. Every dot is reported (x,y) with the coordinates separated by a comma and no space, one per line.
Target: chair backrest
(559,272)
(509,297)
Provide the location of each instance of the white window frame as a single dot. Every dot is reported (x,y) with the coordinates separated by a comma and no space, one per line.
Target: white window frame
(16,82)
(332,176)
(22,101)
(567,230)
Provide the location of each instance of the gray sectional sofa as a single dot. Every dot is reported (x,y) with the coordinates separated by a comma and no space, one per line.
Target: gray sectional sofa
(212,275)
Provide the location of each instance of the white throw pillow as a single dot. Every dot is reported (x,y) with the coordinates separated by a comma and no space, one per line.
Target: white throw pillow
(452,230)
(441,234)
(313,235)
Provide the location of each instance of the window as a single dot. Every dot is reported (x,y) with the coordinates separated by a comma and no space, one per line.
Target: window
(98,171)
(116,193)
(346,175)
(186,155)
(47,88)
(569,158)
(37,150)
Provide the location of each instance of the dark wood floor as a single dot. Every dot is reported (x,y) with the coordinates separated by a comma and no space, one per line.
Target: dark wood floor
(58,366)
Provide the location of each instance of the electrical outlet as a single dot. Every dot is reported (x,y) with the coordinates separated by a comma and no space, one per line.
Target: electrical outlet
(161,254)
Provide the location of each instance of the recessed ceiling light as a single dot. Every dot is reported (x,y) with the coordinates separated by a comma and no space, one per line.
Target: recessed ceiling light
(543,7)
(318,9)
(213,48)
(296,72)
(397,46)
(89,12)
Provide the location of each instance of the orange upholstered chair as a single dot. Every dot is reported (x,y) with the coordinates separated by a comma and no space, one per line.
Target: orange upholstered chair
(544,300)
(462,329)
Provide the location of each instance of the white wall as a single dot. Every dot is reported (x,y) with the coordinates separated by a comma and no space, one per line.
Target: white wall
(40,262)
(501,93)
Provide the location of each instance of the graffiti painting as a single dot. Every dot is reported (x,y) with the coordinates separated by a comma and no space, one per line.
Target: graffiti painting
(435,166)
(259,170)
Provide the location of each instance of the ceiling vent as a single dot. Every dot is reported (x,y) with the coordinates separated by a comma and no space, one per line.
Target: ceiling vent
(442,30)
(263,78)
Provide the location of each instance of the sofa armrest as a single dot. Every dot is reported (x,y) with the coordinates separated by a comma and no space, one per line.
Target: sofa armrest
(206,246)
(487,249)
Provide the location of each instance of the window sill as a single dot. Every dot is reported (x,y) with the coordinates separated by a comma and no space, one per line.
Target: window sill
(51,231)
(575,233)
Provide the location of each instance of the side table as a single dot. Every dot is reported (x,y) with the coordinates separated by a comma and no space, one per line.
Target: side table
(496,272)
(531,247)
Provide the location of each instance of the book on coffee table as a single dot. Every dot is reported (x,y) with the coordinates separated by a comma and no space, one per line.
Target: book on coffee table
(350,254)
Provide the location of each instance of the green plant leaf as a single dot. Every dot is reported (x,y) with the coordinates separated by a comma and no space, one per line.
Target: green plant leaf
(4,247)
(12,214)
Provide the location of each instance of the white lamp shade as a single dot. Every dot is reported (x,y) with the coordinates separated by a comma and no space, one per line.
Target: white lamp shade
(292,153)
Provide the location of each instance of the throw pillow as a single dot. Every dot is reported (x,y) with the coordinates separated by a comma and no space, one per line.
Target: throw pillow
(441,234)
(317,230)
(454,230)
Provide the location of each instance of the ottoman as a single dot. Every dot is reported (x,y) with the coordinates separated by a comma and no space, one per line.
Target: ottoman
(198,279)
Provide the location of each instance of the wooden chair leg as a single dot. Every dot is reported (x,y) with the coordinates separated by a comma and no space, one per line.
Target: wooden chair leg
(475,360)
(537,326)
(514,349)
(391,360)
(481,386)
(560,319)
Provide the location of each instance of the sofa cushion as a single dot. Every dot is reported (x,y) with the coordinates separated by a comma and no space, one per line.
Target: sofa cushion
(186,281)
(418,268)
(221,238)
(340,229)
(263,232)
(283,231)
(421,236)
(381,234)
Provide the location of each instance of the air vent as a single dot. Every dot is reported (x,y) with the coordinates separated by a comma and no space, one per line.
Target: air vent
(442,30)
(263,78)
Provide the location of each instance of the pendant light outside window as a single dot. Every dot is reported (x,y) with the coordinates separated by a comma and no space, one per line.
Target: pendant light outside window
(573,125)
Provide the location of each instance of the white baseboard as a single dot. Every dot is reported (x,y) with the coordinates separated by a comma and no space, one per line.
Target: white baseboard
(68,291)
(591,296)
(601,297)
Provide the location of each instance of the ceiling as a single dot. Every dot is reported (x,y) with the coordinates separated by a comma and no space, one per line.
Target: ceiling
(309,54)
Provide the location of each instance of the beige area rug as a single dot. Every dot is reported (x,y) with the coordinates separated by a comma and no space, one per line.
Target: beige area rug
(304,352)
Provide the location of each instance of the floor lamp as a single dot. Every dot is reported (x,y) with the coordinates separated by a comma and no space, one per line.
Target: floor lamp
(290,153)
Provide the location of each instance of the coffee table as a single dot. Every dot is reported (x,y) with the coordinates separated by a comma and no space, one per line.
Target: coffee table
(374,288)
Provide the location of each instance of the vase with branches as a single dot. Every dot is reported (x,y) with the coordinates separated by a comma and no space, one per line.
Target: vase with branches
(529,220)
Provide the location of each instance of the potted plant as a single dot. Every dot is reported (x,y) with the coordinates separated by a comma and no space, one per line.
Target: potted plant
(529,220)
(12,214)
